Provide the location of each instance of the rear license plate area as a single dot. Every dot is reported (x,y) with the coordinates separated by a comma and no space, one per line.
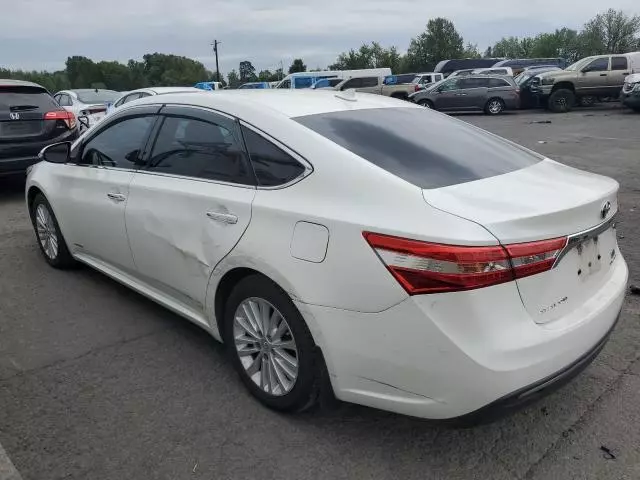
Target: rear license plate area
(596,253)
(16,128)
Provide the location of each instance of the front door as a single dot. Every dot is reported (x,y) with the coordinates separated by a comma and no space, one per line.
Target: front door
(450,95)
(190,204)
(97,186)
(592,80)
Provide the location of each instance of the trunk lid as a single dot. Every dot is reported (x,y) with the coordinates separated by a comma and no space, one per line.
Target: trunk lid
(544,201)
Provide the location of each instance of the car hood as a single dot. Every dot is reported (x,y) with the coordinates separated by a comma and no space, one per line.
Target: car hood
(557,74)
(633,78)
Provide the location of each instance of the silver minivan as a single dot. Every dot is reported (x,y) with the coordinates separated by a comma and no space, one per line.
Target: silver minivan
(489,93)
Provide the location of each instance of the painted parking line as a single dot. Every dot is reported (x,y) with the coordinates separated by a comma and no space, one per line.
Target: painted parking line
(7,470)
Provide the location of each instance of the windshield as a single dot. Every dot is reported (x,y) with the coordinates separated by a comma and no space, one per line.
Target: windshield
(579,64)
(97,96)
(523,77)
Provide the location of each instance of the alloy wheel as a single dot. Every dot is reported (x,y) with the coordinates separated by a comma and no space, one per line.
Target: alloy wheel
(265,345)
(495,107)
(46,231)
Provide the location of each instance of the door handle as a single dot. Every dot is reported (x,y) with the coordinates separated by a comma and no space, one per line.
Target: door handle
(227,218)
(461,94)
(116,197)
(603,74)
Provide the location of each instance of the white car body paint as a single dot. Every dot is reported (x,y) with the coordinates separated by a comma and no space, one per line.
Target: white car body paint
(437,355)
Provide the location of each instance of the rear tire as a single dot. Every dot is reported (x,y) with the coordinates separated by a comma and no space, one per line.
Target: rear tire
(50,239)
(278,363)
(494,106)
(561,101)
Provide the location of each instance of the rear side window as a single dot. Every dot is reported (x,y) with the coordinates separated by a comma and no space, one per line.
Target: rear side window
(24,99)
(618,63)
(425,149)
(273,166)
(352,83)
(498,82)
(194,148)
(370,82)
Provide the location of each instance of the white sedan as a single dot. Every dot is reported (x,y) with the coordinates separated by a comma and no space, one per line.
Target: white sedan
(90,103)
(127,97)
(345,243)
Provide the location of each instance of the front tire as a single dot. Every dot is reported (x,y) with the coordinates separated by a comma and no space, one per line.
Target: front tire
(494,106)
(423,102)
(561,101)
(270,346)
(50,239)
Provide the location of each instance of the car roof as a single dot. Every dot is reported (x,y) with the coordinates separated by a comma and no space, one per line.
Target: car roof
(163,90)
(10,82)
(87,90)
(279,102)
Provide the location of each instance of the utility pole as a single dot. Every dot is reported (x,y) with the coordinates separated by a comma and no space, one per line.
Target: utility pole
(215,49)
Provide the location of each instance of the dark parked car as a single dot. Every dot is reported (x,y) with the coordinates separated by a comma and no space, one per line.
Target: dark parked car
(491,94)
(528,99)
(30,119)
(520,64)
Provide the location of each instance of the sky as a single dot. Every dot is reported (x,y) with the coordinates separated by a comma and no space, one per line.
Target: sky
(41,34)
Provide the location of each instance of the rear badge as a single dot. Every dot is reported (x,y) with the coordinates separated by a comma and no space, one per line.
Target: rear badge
(553,306)
(606,208)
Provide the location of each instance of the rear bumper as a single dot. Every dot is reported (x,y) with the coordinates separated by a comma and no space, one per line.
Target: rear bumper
(16,158)
(476,353)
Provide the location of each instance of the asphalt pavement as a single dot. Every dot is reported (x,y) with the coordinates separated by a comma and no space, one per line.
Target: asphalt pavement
(96,382)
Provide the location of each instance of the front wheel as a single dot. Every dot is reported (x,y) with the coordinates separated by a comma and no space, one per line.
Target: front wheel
(561,101)
(270,345)
(50,239)
(425,103)
(494,106)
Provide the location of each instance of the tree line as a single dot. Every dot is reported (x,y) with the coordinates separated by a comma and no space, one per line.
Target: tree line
(610,32)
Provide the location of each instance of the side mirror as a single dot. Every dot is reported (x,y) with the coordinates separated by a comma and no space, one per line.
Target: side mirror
(84,122)
(56,153)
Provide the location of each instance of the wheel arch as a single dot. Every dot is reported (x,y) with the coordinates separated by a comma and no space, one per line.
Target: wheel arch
(564,85)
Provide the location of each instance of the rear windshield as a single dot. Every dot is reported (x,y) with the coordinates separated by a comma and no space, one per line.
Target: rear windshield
(101,96)
(17,99)
(425,148)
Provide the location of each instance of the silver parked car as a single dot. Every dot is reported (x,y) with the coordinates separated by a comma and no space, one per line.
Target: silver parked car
(489,93)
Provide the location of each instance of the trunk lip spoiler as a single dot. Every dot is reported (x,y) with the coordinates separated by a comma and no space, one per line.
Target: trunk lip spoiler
(578,238)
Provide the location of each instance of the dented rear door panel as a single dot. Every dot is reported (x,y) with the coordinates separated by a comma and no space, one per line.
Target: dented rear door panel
(180,228)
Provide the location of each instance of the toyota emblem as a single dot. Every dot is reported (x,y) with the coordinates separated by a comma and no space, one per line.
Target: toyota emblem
(606,208)
(14,116)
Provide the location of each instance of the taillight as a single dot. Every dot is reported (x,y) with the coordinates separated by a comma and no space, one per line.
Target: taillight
(416,88)
(423,267)
(68,117)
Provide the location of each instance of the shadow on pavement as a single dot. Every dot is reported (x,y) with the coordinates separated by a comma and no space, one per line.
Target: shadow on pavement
(11,187)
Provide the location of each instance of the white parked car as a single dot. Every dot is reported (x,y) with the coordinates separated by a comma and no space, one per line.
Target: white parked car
(91,103)
(397,257)
(127,97)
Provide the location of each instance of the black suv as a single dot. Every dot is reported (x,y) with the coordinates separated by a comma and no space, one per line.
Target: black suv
(30,119)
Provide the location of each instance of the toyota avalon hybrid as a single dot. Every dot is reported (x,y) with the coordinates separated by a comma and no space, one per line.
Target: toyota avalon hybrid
(345,243)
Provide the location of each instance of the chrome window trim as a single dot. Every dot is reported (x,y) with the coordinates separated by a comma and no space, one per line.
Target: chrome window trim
(308,167)
(578,238)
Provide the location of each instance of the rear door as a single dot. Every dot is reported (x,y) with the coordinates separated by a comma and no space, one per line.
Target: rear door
(191,203)
(619,71)
(369,85)
(473,92)
(23,128)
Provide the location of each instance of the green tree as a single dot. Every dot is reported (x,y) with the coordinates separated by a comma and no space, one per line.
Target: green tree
(471,51)
(173,70)
(265,76)
(488,53)
(564,43)
(371,55)
(610,32)
(247,72)
(82,72)
(233,79)
(440,41)
(297,66)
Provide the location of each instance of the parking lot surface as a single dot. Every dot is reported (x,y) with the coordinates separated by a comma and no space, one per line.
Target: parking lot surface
(96,382)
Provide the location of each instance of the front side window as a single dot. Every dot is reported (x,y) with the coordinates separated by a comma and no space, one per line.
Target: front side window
(196,148)
(301,82)
(599,65)
(453,84)
(370,82)
(618,63)
(352,83)
(272,165)
(119,145)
